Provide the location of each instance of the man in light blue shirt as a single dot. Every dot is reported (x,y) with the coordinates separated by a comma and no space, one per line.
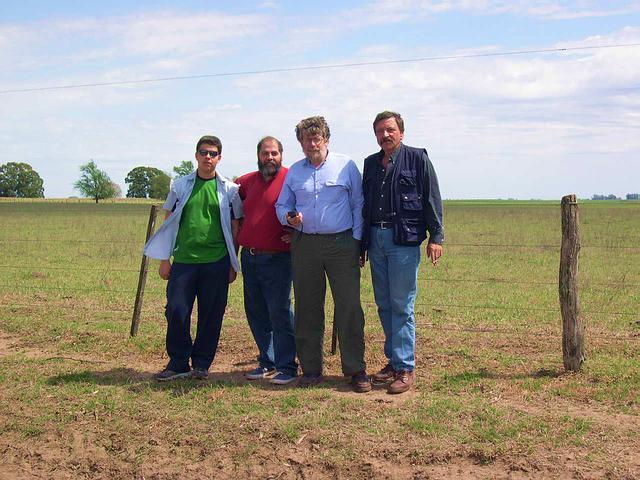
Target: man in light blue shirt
(322,199)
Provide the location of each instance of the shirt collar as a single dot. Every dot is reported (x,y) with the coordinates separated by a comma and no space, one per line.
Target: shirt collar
(308,163)
(393,157)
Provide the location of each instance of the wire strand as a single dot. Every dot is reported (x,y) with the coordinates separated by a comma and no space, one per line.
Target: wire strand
(317,67)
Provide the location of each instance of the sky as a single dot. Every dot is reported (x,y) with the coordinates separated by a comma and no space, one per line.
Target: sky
(496,123)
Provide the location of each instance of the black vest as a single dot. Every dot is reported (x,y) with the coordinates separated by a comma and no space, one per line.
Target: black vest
(407,196)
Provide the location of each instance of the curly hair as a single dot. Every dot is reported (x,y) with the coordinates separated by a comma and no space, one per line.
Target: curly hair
(313,126)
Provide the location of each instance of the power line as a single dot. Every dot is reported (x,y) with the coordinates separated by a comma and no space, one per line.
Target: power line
(316,67)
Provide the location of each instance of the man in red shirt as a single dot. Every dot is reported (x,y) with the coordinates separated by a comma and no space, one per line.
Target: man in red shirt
(266,267)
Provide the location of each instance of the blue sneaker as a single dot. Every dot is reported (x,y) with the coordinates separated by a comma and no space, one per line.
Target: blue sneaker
(282,379)
(261,372)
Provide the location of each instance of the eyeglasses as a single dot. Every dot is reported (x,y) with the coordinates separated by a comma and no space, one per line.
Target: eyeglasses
(209,153)
(315,140)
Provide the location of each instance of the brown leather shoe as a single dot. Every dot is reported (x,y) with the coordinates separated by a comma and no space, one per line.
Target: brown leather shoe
(403,382)
(360,382)
(385,375)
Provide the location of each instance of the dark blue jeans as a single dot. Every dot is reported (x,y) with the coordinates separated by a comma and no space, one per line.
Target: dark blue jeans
(209,283)
(267,303)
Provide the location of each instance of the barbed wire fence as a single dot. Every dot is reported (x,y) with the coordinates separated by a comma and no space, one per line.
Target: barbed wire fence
(423,310)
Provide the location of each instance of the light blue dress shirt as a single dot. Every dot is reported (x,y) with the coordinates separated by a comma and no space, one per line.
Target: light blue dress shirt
(162,243)
(329,197)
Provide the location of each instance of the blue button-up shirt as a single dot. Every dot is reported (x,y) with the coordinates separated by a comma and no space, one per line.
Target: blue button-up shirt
(329,197)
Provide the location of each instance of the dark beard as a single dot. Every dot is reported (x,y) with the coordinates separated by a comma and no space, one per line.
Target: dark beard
(268,170)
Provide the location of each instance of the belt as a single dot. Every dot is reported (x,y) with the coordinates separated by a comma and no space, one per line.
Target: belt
(382,225)
(253,251)
(344,232)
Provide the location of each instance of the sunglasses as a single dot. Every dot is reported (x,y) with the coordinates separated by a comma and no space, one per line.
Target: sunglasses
(208,153)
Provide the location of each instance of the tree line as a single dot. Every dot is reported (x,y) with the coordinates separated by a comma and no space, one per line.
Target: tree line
(611,196)
(20,180)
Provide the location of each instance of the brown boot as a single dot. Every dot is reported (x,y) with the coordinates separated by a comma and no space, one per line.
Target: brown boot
(403,382)
(384,376)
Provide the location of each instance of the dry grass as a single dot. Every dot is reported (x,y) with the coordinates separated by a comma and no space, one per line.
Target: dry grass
(77,399)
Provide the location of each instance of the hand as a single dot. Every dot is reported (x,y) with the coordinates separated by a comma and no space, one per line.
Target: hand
(232,275)
(295,221)
(434,252)
(286,237)
(164,270)
(363,258)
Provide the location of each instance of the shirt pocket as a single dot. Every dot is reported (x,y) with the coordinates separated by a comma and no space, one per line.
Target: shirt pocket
(304,194)
(407,179)
(334,191)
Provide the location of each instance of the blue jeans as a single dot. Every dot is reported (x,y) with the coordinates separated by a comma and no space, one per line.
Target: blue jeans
(394,273)
(267,303)
(209,283)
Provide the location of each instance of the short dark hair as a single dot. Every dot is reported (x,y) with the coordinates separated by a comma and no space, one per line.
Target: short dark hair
(313,126)
(210,140)
(387,114)
(269,138)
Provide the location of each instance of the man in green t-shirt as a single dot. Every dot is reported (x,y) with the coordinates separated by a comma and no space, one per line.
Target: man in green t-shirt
(202,216)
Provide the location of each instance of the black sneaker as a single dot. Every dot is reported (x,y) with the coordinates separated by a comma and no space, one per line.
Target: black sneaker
(167,375)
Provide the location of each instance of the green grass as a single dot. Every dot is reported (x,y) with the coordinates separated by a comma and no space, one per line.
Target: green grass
(491,384)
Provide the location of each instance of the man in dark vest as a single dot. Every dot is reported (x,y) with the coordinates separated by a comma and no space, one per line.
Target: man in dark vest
(401,205)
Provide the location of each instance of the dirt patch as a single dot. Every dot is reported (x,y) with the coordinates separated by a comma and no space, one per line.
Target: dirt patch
(84,448)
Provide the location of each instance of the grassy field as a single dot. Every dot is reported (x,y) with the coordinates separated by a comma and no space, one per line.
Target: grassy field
(492,401)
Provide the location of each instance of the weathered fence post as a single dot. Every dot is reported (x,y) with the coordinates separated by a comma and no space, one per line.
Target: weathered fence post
(572,327)
(142,279)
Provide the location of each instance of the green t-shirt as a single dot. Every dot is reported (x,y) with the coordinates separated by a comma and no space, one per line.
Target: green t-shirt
(200,238)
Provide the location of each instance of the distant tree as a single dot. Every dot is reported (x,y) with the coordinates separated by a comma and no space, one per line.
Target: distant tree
(185,168)
(117,191)
(142,180)
(159,187)
(20,180)
(611,196)
(94,183)
(633,196)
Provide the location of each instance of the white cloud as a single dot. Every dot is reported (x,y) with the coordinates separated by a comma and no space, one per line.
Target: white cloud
(103,45)
(394,11)
(527,126)
(171,33)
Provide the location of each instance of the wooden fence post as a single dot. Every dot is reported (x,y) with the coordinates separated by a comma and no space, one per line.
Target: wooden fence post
(572,328)
(142,279)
